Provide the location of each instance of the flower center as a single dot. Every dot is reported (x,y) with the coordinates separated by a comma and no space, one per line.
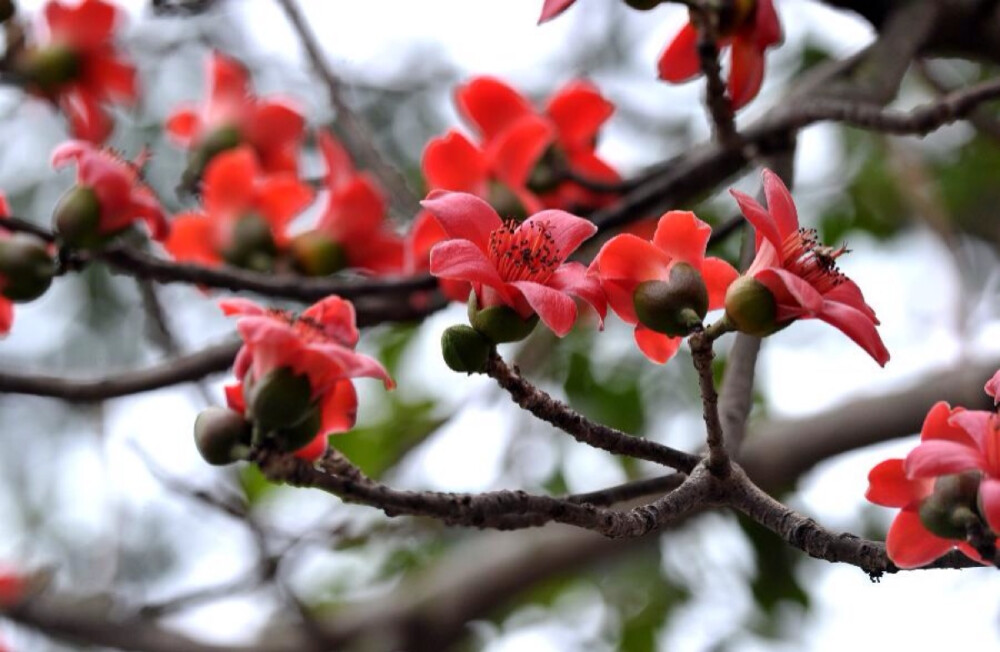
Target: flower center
(524,252)
(308,329)
(816,264)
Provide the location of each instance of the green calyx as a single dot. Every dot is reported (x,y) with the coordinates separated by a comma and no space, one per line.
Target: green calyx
(280,400)
(251,245)
(315,254)
(751,307)
(49,68)
(952,507)
(221,435)
(499,324)
(77,219)
(26,266)
(465,349)
(675,307)
(302,433)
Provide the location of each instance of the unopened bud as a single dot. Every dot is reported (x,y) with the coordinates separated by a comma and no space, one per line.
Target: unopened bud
(751,307)
(316,254)
(949,510)
(77,218)
(26,267)
(674,307)
(280,399)
(465,349)
(500,324)
(251,244)
(49,68)
(221,435)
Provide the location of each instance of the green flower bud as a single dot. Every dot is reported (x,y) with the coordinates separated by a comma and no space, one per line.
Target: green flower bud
(252,244)
(949,510)
(315,254)
(465,349)
(77,218)
(295,437)
(218,141)
(751,307)
(26,267)
(673,307)
(221,435)
(49,68)
(281,399)
(500,323)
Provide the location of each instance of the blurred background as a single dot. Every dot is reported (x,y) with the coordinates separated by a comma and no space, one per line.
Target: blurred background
(115,499)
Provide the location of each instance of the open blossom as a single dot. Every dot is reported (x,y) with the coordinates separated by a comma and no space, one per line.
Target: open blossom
(245,214)
(352,230)
(74,64)
(519,265)
(317,345)
(111,186)
(800,274)
(908,484)
(750,28)
(232,115)
(626,262)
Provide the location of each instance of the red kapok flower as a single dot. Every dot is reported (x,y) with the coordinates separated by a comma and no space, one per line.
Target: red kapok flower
(317,346)
(245,214)
(75,64)
(109,195)
(521,266)
(352,231)
(626,262)
(232,115)
(800,274)
(750,27)
(909,543)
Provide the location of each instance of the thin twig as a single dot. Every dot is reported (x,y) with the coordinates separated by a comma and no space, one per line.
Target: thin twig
(718,103)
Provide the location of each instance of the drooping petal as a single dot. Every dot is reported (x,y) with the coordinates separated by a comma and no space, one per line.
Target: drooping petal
(554,308)
(234,397)
(759,218)
(463,261)
(747,72)
(87,118)
(452,162)
(848,292)
(491,105)
(578,110)
(552,8)
(939,457)
(463,216)
(910,545)
(679,62)
(889,486)
(315,449)
(656,346)
(857,326)
(718,275)
(682,236)
(229,82)
(780,205)
(567,230)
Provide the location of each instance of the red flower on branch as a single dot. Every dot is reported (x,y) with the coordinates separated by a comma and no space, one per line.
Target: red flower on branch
(295,371)
(627,264)
(74,64)
(518,265)
(109,196)
(892,483)
(232,115)
(750,27)
(799,274)
(352,231)
(245,214)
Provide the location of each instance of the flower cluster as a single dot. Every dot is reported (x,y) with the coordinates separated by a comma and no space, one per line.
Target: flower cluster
(748,27)
(294,381)
(947,488)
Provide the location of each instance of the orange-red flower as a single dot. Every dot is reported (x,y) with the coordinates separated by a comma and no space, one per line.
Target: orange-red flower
(74,64)
(750,27)
(353,224)
(232,115)
(626,262)
(519,265)
(112,186)
(893,483)
(245,214)
(801,274)
(317,344)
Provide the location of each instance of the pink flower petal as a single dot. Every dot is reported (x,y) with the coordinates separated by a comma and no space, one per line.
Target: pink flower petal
(992,387)
(938,425)
(682,236)
(761,220)
(794,296)
(889,486)
(910,545)
(989,498)
(555,309)
(572,278)
(627,257)
(463,216)
(578,110)
(718,275)
(463,261)
(656,346)
(857,326)
(938,457)
(568,231)
(780,205)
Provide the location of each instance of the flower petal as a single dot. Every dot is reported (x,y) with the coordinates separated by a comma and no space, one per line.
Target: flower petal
(554,308)
(857,326)
(976,424)
(452,162)
(989,499)
(463,216)
(767,28)
(337,319)
(759,218)
(938,425)
(463,261)
(780,205)
(718,275)
(192,239)
(682,236)
(795,297)
(679,62)
(514,152)
(889,486)
(339,408)
(184,126)
(355,211)
(567,230)
(578,110)
(339,166)
(992,387)
(237,306)
(910,545)
(747,71)
(572,278)
(228,188)
(938,457)
(656,346)
(491,105)
(626,257)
